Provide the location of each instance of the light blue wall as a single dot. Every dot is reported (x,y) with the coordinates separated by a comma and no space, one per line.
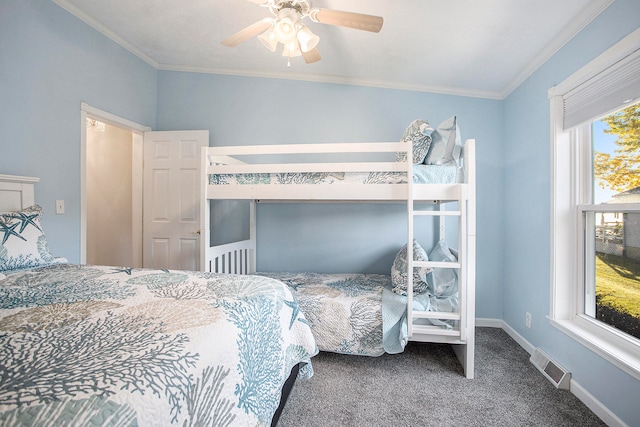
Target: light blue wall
(50,63)
(527,212)
(338,237)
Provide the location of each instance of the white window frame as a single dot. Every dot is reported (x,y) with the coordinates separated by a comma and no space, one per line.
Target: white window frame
(571,171)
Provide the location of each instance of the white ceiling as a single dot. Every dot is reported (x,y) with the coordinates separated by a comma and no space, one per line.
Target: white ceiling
(482,48)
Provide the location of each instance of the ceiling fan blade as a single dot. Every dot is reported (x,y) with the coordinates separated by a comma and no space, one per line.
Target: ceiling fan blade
(312,56)
(246,33)
(359,21)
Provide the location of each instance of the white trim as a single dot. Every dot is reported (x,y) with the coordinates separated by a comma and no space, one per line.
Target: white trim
(137,179)
(343,80)
(137,130)
(608,344)
(588,14)
(570,179)
(522,342)
(72,9)
(591,11)
(623,48)
(563,239)
(17,192)
(19,179)
(489,323)
(576,389)
(107,117)
(83,185)
(611,419)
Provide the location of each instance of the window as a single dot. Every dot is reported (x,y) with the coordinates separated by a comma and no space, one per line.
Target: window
(611,222)
(595,209)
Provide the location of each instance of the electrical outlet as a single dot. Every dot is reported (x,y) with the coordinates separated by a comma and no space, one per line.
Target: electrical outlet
(527,319)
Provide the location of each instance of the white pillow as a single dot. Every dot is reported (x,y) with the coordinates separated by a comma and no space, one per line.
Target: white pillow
(443,282)
(445,144)
(22,242)
(399,271)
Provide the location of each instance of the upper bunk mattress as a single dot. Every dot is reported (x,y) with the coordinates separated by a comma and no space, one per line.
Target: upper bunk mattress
(422,174)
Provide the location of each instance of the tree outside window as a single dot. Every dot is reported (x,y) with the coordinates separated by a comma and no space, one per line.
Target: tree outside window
(616,263)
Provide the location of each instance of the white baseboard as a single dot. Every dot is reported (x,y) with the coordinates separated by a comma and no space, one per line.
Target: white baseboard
(598,408)
(576,389)
(489,323)
(518,338)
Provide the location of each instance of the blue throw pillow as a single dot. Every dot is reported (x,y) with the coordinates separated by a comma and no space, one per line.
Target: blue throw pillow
(445,144)
(419,134)
(443,282)
(399,271)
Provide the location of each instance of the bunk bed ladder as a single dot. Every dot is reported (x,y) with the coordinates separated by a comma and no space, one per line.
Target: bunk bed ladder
(462,335)
(458,317)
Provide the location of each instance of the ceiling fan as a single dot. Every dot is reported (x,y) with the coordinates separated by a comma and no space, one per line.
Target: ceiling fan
(298,40)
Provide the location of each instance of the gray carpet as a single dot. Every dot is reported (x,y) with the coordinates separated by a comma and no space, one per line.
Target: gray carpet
(425,386)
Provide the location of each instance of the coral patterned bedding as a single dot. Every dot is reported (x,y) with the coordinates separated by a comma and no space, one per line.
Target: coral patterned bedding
(343,310)
(422,174)
(87,345)
(365,314)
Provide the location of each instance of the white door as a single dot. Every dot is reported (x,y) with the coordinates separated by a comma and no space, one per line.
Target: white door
(171,209)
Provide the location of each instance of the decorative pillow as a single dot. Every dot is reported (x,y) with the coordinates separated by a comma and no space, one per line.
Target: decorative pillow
(419,134)
(399,271)
(443,282)
(445,144)
(23,243)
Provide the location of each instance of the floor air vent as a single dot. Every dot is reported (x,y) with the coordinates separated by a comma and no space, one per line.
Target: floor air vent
(550,369)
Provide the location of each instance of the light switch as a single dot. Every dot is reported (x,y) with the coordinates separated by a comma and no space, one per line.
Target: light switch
(59,207)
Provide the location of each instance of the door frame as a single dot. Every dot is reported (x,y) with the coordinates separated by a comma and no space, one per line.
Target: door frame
(137,131)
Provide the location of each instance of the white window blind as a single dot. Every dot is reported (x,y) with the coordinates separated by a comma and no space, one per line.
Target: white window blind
(605,92)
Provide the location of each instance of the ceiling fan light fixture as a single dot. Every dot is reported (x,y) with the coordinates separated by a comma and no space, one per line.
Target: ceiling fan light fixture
(285,26)
(291,49)
(268,39)
(307,39)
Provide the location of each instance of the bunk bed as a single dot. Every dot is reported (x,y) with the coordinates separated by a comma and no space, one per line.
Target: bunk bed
(326,172)
(100,345)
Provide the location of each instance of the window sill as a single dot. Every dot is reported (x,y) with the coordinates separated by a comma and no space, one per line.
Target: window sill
(620,352)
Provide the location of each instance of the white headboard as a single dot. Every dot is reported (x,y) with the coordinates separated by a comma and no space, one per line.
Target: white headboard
(16,192)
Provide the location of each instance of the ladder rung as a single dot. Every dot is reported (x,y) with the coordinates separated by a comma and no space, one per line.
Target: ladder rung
(435,264)
(434,330)
(442,315)
(436,213)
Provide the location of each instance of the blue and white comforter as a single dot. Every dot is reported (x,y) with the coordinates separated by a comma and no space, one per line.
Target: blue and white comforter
(343,310)
(84,345)
(359,314)
(422,174)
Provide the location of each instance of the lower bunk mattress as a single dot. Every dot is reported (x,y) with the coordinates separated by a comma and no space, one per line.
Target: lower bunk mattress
(94,346)
(358,314)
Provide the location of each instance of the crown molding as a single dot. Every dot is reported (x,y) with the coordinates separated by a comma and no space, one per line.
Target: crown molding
(344,80)
(587,15)
(315,78)
(105,31)
(595,8)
